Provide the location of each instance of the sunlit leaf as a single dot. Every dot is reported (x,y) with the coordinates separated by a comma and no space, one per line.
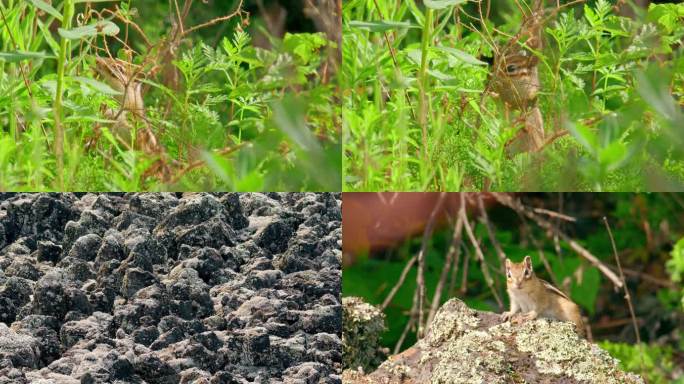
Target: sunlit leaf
(103,27)
(441,4)
(381,26)
(49,9)
(13,57)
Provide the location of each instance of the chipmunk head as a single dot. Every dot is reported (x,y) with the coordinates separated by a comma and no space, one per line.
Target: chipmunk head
(517,273)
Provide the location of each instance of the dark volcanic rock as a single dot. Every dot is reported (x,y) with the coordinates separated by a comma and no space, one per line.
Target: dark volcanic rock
(166,288)
(21,349)
(48,251)
(86,247)
(50,296)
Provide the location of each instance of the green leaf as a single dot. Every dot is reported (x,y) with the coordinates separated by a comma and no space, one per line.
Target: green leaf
(584,136)
(460,55)
(40,4)
(613,155)
(13,57)
(98,85)
(675,266)
(381,26)
(441,4)
(305,45)
(668,16)
(103,27)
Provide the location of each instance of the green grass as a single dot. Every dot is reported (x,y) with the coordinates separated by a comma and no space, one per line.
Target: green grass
(415,117)
(206,93)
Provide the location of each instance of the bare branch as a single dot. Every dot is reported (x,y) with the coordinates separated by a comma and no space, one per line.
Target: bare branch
(454,250)
(490,231)
(399,283)
(480,255)
(420,277)
(624,283)
(550,230)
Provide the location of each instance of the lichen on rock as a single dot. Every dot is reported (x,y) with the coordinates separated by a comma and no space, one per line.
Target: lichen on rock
(363,324)
(468,346)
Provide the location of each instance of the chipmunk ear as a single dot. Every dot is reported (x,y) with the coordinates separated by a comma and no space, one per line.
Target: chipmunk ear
(508,264)
(528,263)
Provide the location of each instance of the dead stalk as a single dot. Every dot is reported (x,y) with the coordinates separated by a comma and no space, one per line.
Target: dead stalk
(480,255)
(453,252)
(624,286)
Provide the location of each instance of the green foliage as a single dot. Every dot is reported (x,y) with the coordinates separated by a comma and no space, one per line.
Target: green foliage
(236,117)
(655,363)
(675,266)
(599,82)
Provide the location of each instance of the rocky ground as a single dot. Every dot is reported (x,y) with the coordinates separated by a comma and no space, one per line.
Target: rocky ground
(169,288)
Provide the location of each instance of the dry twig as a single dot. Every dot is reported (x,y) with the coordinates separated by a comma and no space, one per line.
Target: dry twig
(453,253)
(479,254)
(624,286)
(490,231)
(420,277)
(550,230)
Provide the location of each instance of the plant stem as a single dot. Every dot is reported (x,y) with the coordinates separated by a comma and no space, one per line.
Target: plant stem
(61,64)
(423,80)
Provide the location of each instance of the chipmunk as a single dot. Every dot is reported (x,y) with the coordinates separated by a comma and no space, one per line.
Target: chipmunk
(515,79)
(123,77)
(535,297)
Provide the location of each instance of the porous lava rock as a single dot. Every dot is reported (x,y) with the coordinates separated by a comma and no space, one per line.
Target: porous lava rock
(169,288)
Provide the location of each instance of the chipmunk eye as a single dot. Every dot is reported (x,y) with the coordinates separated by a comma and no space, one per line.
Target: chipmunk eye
(511,68)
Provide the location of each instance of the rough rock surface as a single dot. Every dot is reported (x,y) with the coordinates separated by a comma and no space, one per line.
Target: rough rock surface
(468,346)
(361,332)
(170,288)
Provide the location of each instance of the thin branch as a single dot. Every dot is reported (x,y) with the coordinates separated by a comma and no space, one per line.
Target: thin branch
(556,225)
(480,255)
(238,11)
(491,233)
(454,273)
(399,283)
(420,277)
(557,215)
(550,230)
(407,328)
(454,250)
(622,277)
(464,280)
(648,278)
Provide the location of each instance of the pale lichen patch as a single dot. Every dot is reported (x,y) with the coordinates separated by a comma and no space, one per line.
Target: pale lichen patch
(475,357)
(557,350)
(452,320)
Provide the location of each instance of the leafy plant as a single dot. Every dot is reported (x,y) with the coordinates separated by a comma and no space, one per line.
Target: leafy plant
(655,363)
(416,117)
(229,116)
